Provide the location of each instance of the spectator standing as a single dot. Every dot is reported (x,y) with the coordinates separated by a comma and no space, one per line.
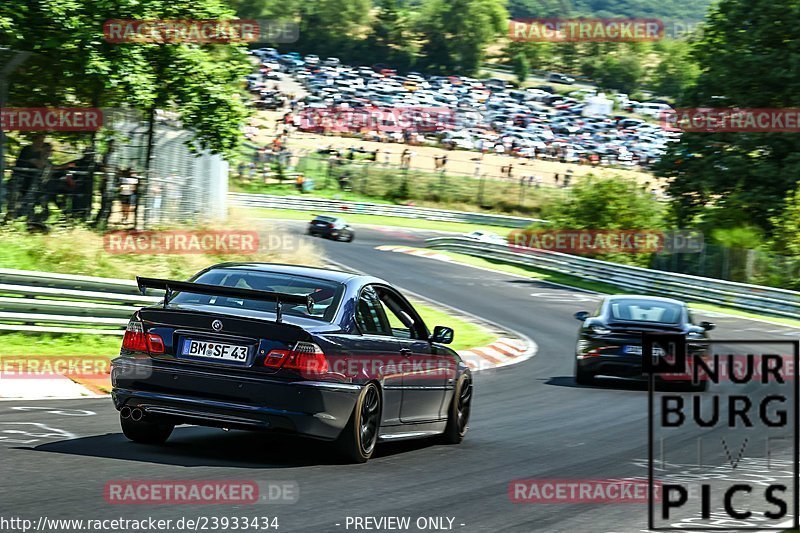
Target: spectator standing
(127,195)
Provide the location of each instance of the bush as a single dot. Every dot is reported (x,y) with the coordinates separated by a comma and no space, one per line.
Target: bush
(608,203)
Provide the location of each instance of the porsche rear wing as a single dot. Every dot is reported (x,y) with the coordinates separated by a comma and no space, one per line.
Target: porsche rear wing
(169,286)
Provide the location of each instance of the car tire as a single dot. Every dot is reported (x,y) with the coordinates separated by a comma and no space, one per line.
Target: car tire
(350,237)
(582,377)
(360,437)
(145,431)
(458,413)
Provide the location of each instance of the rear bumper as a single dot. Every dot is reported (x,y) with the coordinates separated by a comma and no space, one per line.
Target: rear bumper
(207,397)
(328,233)
(623,366)
(613,365)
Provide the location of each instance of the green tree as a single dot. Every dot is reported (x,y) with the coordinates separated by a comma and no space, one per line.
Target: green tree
(333,27)
(266,9)
(521,67)
(607,203)
(787,225)
(538,55)
(569,55)
(390,40)
(539,8)
(621,72)
(456,32)
(748,56)
(677,71)
(73,64)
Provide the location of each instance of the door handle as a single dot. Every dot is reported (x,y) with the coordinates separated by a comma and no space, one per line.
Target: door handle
(405,352)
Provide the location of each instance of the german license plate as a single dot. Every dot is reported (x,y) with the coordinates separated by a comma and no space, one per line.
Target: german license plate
(217,351)
(637,350)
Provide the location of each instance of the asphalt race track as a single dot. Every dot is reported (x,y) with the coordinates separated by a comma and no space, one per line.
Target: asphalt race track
(529,421)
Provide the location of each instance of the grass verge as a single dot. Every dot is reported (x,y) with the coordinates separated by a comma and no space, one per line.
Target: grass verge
(57,344)
(467,334)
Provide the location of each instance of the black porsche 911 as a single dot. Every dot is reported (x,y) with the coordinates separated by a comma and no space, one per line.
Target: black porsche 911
(320,353)
(610,341)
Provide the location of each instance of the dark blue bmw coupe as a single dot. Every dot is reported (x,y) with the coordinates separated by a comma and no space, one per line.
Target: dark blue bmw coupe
(320,353)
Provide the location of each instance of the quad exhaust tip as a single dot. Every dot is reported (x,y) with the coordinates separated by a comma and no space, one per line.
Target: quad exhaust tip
(125,412)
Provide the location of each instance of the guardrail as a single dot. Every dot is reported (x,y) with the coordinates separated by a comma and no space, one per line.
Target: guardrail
(63,303)
(340,206)
(754,298)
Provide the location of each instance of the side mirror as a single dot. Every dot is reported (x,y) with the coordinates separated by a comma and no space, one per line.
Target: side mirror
(581,315)
(442,335)
(708,326)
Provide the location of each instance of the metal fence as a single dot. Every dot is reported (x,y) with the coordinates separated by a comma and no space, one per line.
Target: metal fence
(523,190)
(63,303)
(377,157)
(742,265)
(185,186)
(340,206)
(753,298)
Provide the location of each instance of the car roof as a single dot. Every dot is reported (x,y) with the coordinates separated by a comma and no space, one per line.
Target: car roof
(329,274)
(644,298)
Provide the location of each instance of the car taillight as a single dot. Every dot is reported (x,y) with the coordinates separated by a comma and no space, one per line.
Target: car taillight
(307,358)
(155,344)
(275,358)
(136,340)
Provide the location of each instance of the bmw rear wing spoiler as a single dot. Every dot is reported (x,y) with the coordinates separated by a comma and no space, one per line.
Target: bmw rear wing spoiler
(169,286)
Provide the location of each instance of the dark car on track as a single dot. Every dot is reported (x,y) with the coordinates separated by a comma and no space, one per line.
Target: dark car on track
(555,77)
(331,228)
(319,353)
(610,341)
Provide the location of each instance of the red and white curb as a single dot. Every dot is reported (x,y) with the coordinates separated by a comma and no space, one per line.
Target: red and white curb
(419,252)
(503,352)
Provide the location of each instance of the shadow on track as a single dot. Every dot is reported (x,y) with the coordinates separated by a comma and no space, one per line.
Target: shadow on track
(194,446)
(615,384)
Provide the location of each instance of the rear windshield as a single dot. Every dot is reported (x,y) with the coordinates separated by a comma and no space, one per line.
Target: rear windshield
(646,311)
(325,219)
(326,294)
